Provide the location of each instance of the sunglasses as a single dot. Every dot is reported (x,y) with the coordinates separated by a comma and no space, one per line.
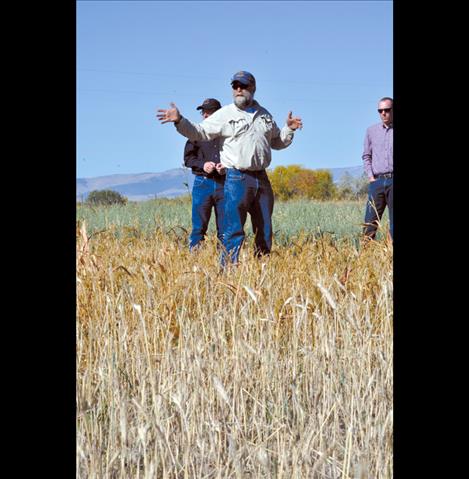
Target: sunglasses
(237,85)
(387,110)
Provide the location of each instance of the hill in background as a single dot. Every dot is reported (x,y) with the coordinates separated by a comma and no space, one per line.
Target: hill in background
(167,184)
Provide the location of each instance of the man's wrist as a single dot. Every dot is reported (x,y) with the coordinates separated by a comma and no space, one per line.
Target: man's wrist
(178,121)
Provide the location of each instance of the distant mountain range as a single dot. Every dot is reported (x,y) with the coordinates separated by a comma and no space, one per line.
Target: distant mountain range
(167,184)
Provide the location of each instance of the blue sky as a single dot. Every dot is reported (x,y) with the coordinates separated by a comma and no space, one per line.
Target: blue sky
(329,62)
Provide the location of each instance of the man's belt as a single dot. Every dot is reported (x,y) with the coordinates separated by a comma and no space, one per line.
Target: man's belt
(384,175)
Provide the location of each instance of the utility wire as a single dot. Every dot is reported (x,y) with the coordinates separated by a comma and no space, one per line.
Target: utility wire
(202,77)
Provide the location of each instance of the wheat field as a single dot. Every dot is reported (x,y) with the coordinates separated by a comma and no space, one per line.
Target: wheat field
(277,368)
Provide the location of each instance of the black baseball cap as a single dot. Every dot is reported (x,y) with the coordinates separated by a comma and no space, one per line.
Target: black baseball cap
(244,77)
(210,104)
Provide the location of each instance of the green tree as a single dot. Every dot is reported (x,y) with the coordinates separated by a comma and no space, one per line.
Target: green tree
(362,183)
(346,187)
(351,188)
(106,198)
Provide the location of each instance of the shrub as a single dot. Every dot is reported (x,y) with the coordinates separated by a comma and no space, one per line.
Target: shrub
(106,198)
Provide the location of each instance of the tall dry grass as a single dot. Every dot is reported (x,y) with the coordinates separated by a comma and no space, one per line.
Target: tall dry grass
(279,368)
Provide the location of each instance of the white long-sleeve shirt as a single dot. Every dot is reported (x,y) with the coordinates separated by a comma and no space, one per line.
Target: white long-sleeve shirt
(246,138)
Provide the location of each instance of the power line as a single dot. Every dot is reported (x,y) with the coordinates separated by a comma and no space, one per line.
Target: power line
(202,77)
(186,95)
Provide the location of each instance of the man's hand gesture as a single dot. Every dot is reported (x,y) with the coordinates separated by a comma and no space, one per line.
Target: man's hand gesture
(294,122)
(172,114)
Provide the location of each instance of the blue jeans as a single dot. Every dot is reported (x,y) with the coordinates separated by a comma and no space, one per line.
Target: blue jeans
(379,196)
(206,193)
(247,192)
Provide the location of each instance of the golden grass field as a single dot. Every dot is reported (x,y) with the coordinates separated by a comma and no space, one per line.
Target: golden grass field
(277,368)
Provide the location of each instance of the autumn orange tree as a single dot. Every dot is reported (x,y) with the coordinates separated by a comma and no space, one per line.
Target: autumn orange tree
(294,181)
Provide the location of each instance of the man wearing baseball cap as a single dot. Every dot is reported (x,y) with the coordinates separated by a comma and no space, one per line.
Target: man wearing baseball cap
(247,133)
(207,192)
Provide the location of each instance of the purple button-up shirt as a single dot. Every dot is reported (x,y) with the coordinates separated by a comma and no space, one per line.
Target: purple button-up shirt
(377,151)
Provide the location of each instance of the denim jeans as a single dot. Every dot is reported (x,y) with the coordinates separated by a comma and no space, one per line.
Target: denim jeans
(379,196)
(206,193)
(247,192)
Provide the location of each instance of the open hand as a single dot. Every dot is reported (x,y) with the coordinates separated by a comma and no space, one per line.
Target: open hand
(294,122)
(172,114)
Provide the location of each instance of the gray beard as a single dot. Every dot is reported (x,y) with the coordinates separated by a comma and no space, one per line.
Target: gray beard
(244,101)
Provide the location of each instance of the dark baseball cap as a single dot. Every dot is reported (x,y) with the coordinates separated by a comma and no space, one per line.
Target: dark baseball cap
(209,104)
(244,77)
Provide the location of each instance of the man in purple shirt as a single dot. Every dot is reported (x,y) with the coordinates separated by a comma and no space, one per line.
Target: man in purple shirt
(377,159)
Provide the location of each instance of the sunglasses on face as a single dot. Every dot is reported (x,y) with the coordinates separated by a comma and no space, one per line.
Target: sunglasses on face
(381,110)
(237,85)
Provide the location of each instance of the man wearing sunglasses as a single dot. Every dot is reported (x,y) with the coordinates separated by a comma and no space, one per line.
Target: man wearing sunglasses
(378,162)
(207,192)
(247,133)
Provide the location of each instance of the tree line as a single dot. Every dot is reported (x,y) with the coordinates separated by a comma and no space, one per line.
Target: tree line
(288,183)
(294,181)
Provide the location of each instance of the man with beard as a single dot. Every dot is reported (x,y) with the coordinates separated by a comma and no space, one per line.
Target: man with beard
(207,193)
(247,133)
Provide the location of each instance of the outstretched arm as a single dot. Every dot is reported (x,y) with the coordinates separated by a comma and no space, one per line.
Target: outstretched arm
(171,114)
(294,122)
(283,138)
(209,129)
